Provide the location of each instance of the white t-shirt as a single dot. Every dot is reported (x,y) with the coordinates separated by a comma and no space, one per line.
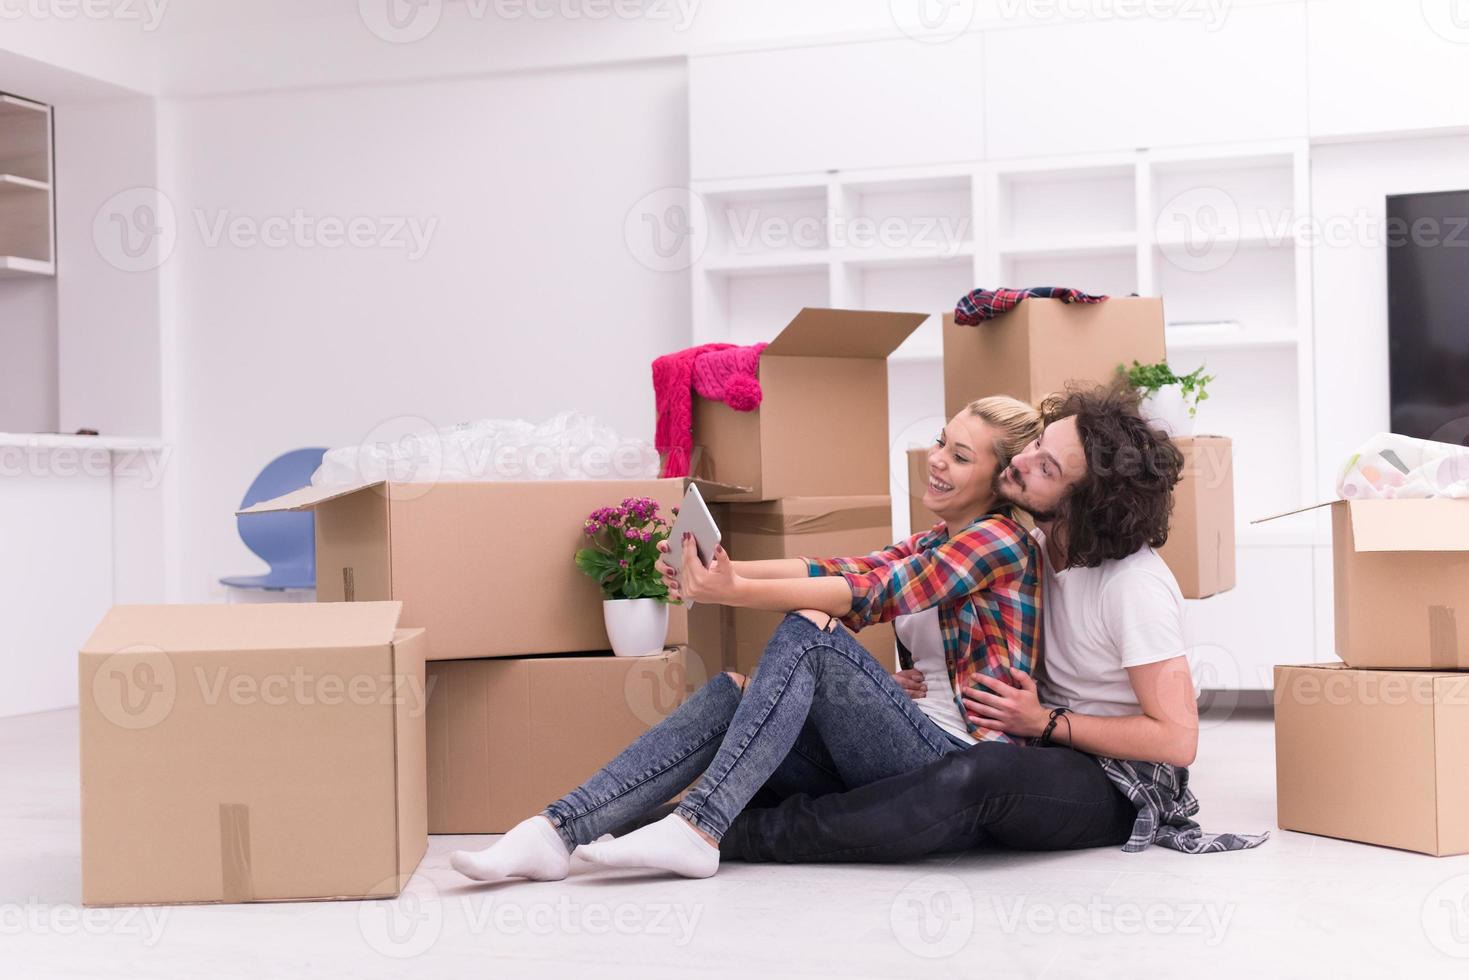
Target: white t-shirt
(1101,621)
(920,634)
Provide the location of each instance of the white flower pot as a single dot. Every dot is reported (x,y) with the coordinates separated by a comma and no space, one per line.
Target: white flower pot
(1167,409)
(636,627)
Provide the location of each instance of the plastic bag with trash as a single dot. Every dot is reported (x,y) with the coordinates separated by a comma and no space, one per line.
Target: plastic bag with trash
(1391,466)
(569,446)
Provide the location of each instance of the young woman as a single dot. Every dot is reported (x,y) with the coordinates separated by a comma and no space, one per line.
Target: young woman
(821,715)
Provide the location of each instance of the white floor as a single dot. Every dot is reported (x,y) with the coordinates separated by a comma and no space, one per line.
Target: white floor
(1299,906)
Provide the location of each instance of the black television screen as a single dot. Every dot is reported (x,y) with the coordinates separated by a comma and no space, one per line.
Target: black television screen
(1428,315)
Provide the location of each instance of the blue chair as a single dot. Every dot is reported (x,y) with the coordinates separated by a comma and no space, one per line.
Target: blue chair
(286,541)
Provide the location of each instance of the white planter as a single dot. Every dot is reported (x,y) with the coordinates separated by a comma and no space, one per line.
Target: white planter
(1167,409)
(636,627)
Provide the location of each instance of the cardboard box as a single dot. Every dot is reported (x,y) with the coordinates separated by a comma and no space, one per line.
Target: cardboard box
(487,567)
(1200,548)
(920,518)
(794,445)
(1040,345)
(1373,755)
(251,753)
(1401,573)
(508,736)
(795,527)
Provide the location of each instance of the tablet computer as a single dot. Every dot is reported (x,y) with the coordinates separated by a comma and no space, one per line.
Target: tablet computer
(693,518)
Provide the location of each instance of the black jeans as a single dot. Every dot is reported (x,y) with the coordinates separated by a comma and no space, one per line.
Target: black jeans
(993,793)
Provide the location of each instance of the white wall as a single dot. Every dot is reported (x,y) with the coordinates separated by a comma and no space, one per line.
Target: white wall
(526,302)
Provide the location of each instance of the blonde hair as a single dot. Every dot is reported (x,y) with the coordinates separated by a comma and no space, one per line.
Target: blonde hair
(1019,424)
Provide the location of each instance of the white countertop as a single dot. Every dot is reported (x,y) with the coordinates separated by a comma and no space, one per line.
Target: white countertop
(50,440)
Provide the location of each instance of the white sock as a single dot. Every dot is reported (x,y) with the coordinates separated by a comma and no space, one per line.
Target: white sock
(532,849)
(671,844)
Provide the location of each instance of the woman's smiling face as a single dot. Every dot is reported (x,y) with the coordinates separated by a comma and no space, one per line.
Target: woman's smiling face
(962,465)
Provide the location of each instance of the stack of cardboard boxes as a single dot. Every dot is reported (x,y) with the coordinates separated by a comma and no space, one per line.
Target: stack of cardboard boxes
(1375,748)
(454,679)
(1040,347)
(805,475)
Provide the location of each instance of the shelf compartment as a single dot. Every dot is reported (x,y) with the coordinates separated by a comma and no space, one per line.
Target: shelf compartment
(926,288)
(921,214)
(766,222)
(753,307)
(25,139)
(1251,286)
(1250,199)
(1064,203)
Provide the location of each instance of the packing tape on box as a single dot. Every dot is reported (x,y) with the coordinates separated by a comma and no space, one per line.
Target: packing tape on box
(349,584)
(1443,638)
(237,881)
(856,519)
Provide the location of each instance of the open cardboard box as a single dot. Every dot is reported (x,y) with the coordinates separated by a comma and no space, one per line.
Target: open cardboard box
(822,425)
(1401,573)
(1376,756)
(1039,346)
(251,753)
(486,566)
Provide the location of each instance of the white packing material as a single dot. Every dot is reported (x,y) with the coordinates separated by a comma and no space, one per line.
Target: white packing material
(569,446)
(1391,466)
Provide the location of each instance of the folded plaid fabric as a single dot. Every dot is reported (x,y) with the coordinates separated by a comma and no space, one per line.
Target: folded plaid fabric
(1165,807)
(986,304)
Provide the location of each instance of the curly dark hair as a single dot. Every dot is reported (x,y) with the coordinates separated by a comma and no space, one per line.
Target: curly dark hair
(1125,499)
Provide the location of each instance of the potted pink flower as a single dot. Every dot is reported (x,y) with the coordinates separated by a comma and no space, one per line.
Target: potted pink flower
(621,550)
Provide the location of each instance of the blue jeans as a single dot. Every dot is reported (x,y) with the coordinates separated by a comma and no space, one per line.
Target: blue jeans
(820,716)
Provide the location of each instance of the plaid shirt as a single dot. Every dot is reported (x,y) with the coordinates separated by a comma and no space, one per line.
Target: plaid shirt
(986,583)
(1165,810)
(980,305)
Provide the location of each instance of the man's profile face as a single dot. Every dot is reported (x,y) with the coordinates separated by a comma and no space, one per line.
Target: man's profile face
(1041,475)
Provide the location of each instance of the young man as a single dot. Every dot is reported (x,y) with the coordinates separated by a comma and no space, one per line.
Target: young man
(1102,741)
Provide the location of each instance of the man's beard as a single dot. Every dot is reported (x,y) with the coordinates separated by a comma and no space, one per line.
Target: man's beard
(1039,516)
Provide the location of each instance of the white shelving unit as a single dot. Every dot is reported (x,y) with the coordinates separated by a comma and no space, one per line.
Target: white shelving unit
(1210,229)
(27,174)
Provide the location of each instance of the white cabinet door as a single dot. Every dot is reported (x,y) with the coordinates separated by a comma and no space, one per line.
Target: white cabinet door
(1380,66)
(56,581)
(1237,637)
(836,107)
(1222,73)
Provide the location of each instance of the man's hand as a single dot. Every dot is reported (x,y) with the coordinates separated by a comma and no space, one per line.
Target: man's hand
(718,583)
(912,683)
(1012,709)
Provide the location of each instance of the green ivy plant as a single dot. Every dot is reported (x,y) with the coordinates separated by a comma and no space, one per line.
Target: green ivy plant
(622,548)
(1150,378)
